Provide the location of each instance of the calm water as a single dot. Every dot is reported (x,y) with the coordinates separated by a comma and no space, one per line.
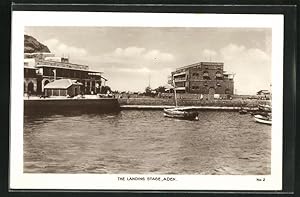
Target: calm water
(146,142)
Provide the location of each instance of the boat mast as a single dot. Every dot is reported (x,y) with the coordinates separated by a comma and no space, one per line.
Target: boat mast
(175,93)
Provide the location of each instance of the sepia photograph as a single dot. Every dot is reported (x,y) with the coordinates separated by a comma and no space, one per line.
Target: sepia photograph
(149,104)
(147,100)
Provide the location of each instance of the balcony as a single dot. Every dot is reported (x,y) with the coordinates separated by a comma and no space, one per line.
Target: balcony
(178,79)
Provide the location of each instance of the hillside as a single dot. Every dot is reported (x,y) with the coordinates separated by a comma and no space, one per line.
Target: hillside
(31,45)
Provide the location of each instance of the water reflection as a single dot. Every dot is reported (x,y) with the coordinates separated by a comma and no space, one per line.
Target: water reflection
(146,142)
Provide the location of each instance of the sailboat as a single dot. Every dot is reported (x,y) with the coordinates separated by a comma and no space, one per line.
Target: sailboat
(180,112)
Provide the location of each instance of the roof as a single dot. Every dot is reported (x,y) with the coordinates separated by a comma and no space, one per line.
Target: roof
(201,64)
(50,66)
(61,84)
(59,64)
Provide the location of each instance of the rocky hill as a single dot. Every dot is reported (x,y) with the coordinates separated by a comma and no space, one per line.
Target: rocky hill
(31,45)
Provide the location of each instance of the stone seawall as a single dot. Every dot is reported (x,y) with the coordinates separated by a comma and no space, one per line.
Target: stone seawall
(71,105)
(193,102)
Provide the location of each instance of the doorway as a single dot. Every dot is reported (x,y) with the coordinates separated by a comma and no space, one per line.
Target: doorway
(30,87)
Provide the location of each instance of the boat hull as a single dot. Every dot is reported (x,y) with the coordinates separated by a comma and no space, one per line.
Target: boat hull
(262,119)
(180,114)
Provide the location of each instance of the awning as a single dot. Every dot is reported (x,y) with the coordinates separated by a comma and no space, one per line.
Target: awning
(61,84)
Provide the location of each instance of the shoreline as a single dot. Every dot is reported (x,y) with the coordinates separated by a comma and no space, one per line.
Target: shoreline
(234,104)
(161,107)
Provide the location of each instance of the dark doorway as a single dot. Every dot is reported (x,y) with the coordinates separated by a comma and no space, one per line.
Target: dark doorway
(30,87)
(39,86)
(227,91)
(76,91)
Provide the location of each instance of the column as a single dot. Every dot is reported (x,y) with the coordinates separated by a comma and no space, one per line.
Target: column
(85,86)
(25,87)
(35,86)
(90,85)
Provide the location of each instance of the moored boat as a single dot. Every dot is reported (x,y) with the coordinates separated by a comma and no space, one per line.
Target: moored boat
(243,111)
(263,119)
(181,114)
(265,108)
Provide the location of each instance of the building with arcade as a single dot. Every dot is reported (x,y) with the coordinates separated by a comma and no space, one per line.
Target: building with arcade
(43,68)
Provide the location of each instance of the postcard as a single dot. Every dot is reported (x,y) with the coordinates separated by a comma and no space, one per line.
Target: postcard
(146,101)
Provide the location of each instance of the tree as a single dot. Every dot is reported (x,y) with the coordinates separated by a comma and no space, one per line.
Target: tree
(105,89)
(161,89)
(148,90)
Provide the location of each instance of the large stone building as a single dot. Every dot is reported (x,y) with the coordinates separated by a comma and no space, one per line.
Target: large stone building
(43,68)
(203,78)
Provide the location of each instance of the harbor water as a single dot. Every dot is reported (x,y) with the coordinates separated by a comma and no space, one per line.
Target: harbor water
(146,142)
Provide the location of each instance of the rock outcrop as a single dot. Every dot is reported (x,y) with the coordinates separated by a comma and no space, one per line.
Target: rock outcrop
(31,45)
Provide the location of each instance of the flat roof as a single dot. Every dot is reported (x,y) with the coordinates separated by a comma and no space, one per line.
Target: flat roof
(201,64)
(50,66)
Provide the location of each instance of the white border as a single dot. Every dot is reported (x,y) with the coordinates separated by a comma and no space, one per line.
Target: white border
(20,180)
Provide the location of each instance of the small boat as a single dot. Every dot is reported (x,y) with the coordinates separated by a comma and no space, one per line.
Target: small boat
(265,108)
(181,114)
(243,111)
(263,119)
(264,114)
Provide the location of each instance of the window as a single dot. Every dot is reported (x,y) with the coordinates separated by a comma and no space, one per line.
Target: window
(51,72)
(195,74)
(227,91)
(195,87)
(48,92)
(30,87)
(55,92)
(218,75)
(205,75)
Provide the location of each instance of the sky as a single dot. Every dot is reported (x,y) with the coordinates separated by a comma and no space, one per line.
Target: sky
(132,57)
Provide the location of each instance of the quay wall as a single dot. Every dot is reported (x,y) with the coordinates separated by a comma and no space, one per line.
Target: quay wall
(71,105)
(193,102)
